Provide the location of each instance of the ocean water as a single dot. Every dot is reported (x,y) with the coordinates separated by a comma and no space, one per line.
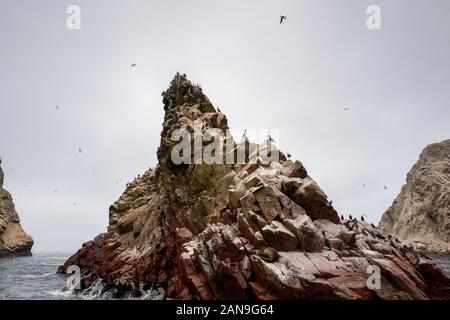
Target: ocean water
(35,278)
(442,261)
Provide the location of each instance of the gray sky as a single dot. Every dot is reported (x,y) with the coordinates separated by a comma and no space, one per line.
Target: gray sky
(297,77)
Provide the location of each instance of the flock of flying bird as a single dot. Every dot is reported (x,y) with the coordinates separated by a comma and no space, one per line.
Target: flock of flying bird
(269,138)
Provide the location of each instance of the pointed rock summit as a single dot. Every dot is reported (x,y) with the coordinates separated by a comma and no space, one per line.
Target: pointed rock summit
(243,228)
(420,215)
(13,239)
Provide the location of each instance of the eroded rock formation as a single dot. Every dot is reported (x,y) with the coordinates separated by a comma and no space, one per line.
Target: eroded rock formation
(13,239)
(257,230)
(420,215)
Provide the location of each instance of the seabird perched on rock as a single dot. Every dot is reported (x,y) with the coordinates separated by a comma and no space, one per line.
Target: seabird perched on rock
(362,218)
(373,226)
(282,18)
(342,217)
(218,109)
(270,138)
(350,217)
(288,155)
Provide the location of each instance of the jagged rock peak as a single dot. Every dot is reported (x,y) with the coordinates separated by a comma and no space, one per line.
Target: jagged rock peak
(13,239)
(187,107)
(182,92)
(420,214)
(2,175)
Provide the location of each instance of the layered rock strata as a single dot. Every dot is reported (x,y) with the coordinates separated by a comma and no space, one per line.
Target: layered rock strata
(13,239)
(420,214)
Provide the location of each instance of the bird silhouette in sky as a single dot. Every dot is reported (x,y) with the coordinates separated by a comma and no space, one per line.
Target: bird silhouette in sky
(79,150)
(57,107)
(385,188)
(133,65)
(346,109)
(282,18)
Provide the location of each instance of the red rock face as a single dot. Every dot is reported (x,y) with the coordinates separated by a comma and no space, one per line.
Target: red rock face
(243,231)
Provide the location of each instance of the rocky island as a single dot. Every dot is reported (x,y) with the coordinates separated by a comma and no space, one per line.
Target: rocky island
(253,230)
(13,239)
(420,215)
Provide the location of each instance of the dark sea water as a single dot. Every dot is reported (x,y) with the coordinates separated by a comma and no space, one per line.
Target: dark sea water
(442,261)
(35,278)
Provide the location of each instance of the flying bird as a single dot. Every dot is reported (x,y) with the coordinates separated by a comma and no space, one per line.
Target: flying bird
(79,150)
(57,107)
(385,188)
(133,65)
(270,138)
(346,109)
(282,18)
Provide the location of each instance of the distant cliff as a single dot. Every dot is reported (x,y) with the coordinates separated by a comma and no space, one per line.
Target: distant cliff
(13,239)
(420,215)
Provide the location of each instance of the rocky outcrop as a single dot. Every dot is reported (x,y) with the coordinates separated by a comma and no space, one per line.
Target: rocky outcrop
(256,229)
(13,240)
(420,215)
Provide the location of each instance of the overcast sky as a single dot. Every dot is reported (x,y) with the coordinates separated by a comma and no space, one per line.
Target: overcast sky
(296,77)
